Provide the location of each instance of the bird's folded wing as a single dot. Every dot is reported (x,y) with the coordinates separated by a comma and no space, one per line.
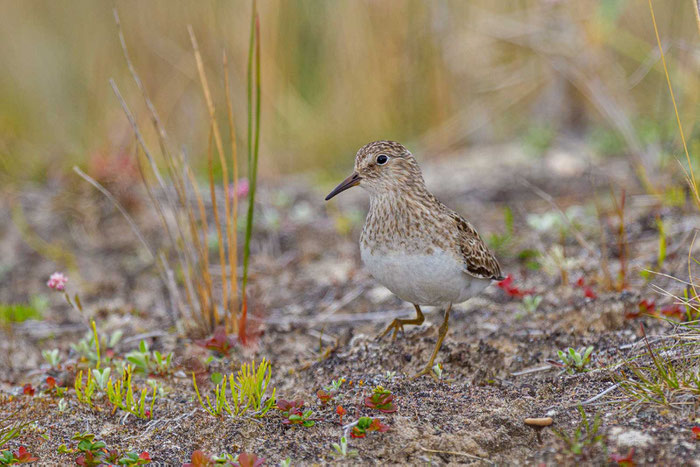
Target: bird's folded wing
(478,260)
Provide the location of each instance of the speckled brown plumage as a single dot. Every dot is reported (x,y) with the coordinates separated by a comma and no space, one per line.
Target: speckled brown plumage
(404,215)
(411,243)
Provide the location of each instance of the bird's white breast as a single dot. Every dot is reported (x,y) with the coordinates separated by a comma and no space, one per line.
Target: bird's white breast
(424,279)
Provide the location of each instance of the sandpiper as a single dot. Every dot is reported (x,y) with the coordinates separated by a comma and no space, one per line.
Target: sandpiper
(418,248)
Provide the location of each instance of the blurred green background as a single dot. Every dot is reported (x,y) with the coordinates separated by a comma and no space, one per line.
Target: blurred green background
(438,76)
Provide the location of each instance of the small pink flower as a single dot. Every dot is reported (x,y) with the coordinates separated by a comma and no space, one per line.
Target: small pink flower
(241,191)
(57,281)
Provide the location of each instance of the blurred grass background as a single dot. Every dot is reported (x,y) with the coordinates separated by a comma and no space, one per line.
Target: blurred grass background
(438,76)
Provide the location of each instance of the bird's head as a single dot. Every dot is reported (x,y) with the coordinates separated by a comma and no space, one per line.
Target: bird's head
(382,167)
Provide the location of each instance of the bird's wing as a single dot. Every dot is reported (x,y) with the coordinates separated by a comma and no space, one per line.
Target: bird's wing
(478,260)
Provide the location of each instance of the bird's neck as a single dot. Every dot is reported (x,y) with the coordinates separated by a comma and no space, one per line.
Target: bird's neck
(397,215)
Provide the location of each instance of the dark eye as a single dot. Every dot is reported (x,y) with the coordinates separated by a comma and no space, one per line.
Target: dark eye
(382,159)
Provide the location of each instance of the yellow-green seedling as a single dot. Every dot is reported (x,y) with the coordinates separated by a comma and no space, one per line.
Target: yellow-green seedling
(247,389)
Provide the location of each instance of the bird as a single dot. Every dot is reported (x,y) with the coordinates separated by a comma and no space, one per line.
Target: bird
(422,251)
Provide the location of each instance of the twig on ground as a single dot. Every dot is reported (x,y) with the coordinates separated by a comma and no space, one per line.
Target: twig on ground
(457,453)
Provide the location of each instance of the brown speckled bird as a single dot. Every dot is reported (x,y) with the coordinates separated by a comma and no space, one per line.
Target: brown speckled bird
(411,243)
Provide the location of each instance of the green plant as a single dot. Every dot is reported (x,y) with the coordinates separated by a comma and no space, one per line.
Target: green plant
(381,399)
(247,391)
(502,242)
(148,362)
(84,392)
(336,384)
(367,424)
(101,377)
(297,417)
(575,361)
(585,438)
(134,458)
(538,138)
(18,313)
(661,254)
(52,357)
(531,303)
(95,453)
(121,395)
(62,405)
(341,449)
(437,369)
(88,348)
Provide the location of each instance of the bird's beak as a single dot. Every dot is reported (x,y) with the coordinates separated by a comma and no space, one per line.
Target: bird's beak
(351,181)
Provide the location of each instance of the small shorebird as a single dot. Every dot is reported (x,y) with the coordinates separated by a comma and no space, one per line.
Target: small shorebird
(418,248)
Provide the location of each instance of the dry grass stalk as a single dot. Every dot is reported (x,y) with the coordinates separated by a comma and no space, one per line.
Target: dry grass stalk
(181,211)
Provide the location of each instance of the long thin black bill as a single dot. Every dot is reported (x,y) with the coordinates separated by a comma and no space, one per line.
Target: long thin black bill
(351,181)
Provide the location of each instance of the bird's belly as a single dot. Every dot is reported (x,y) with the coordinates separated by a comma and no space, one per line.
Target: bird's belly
(423,279)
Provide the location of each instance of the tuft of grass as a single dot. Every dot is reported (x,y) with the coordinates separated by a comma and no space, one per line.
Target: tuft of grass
(668,376)
(247,391)
(585,440)
(98,385)
(175,196)
(10,427)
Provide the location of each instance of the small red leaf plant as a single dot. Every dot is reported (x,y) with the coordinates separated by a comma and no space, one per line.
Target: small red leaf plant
(626,460)
(324,397)
(52,387)
(512,291)
(249,460)
(367,424)
(293,413)
(382,400)
(199,459)
(94,453)
(21,456)
(244,459)
(587,290)
(50,383)
(341,412)
(674,312)
(133,458)
(28,390)
(646,306)
(696,432)
(219,342)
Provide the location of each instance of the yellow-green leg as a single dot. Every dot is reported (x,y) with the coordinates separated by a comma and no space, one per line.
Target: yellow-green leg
(399,323)
(428,370)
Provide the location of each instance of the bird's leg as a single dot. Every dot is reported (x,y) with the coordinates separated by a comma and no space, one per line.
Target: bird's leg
(428,370)
(399,323)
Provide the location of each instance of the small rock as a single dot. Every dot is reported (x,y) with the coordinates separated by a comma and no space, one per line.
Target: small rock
(630,438)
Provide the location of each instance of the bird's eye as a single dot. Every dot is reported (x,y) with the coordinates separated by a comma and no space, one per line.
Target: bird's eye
(382,159)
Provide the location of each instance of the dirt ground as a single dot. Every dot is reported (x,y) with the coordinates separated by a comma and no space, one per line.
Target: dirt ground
(319,314)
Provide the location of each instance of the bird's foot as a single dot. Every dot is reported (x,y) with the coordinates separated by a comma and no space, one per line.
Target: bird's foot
(396,325)
(428,370)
